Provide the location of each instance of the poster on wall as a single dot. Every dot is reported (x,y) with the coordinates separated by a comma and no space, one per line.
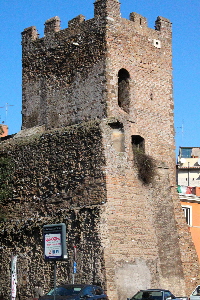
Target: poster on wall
(54,236)
(53,246)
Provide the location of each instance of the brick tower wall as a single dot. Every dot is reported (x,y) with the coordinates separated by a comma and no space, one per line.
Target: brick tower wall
(145,236)
(144,222)
(63,74)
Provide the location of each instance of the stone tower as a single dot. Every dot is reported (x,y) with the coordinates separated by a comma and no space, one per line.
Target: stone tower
(118,73)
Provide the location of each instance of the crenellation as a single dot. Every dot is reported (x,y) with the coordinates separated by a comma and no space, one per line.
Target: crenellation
(52,25)
(138,19)
(164,26)
(76,21)
(107,9)
(104,8)
(29,34)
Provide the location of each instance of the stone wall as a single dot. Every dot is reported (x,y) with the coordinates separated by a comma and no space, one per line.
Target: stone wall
(58,177)
(63,75)
(129,234)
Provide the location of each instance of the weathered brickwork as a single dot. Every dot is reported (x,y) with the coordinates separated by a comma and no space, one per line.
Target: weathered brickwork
(62,75)
(102,91)
(144,224)
(58,177)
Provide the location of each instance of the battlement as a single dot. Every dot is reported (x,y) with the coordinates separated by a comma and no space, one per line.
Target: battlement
(107,9)
(163,24)
(104,10)
(29,34)
(138,19)
(63,67)
(76,21)
(52,25)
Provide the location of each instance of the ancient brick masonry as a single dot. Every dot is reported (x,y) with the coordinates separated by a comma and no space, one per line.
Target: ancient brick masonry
(102,92)
(58,177)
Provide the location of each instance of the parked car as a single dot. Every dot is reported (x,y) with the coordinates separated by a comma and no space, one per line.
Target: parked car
(153,294)
(75,292)
(195,294)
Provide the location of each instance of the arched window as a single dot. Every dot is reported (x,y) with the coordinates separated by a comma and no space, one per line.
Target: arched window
(123,90)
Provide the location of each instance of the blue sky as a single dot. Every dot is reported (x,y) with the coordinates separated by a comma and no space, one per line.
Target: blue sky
(184,15)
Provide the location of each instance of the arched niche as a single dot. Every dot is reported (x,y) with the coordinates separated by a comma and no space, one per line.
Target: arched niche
(124,90)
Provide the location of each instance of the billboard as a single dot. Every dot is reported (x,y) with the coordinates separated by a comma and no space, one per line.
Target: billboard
(54,236)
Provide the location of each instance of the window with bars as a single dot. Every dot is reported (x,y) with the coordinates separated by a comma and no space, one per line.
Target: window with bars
(188,214)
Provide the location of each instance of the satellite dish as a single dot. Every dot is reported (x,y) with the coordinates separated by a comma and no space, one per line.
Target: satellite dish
(183,160)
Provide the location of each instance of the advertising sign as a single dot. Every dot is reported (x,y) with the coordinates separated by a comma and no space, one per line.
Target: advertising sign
(55,242)
(53,246)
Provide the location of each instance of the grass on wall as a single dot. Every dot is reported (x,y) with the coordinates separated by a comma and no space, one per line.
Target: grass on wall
(145,165)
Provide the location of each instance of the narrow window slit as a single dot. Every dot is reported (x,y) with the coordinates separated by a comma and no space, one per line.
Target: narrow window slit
(124,90)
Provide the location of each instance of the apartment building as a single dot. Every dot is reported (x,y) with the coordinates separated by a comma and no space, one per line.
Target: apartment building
(188,181)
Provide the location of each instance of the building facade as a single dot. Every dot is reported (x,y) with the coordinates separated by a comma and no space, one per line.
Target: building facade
(188,181)
(188,167)
(4,130)
(191,208)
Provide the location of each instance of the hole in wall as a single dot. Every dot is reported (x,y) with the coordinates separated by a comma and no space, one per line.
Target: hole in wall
(138,143)
(123,90)
(117,136)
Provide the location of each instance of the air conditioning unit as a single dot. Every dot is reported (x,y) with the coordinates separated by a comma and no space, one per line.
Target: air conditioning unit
(182,160)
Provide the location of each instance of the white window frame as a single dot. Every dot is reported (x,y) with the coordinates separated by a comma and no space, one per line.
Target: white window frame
(187,210)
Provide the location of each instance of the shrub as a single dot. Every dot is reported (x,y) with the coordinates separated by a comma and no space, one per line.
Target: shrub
(145,165)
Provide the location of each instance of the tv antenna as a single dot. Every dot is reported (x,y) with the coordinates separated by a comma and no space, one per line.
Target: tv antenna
(6,107)
(182,131)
